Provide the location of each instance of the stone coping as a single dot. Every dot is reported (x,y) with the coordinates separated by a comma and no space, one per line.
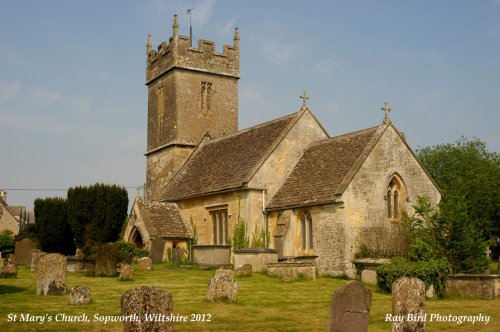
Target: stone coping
(372,261)
(211,246)
(474,276)
(292,264)
(256,251)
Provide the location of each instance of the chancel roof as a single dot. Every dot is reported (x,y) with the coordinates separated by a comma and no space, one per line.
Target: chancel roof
(226,163)
(325,169)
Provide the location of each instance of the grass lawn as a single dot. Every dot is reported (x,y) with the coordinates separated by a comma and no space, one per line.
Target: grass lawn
(264,303)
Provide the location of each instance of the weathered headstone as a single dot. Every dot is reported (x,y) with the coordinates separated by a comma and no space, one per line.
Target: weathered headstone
(223,287)
(408,299)
(23,251)
(244,271)
(145,264)
(105,266)
(35,258)
(139,302)
(80,295)
(350,308)
(126,272)
(51,275)
(8,271)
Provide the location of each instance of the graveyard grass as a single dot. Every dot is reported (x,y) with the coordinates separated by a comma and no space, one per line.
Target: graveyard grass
(264,303)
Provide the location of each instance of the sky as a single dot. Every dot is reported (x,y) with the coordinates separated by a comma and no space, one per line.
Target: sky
(73,104)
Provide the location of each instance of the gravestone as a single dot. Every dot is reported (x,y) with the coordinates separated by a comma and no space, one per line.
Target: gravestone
(408,299)
(350,308)
(105,266)
(126,272)
(244,270)
(8,271)
(177,255)
(51,275)
(146,300)
(35,258)
(79,295)
(23,251)
(223,287)
(145,264)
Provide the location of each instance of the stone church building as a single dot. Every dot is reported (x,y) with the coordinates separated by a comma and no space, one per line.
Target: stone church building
(316,195)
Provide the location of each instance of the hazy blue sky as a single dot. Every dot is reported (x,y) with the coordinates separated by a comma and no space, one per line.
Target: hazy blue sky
(73,101)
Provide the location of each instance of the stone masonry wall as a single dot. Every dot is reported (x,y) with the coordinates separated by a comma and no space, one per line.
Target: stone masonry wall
(365,199)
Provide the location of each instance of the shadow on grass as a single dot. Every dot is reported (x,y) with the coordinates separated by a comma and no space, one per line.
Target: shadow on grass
(4,289)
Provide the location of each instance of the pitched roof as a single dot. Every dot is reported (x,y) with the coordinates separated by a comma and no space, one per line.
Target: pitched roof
(325,169)
(165,219)
(226,163)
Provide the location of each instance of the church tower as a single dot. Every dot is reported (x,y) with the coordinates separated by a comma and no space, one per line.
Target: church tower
(191,92)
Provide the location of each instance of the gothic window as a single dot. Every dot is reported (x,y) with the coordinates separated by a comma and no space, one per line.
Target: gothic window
(394,199)
(306,230)
(220,227)
(206,94)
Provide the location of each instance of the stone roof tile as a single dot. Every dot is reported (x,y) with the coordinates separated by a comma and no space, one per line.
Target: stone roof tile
(226,163)
(166,220)
(325,165)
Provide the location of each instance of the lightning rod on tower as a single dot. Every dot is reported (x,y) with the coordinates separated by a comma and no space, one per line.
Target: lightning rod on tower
(190,27)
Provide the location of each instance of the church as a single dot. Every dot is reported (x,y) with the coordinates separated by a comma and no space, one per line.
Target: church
(307,193)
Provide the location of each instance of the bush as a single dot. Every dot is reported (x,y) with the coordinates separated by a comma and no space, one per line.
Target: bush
(6,242)
(433,272)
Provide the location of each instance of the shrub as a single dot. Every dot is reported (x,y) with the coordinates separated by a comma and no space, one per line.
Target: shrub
(433,272)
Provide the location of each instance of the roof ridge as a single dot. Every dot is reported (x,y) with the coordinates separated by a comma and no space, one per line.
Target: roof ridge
(253,128)
(351,134)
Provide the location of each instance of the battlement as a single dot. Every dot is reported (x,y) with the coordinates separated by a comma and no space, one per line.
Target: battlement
(178,53)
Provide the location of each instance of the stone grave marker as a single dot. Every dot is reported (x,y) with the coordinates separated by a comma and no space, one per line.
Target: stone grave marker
(145,264)
(223,287)
(244,270)
(146,300)
(23,251)
(126,272)
(408,299)
(8,271)
(51,275)
(350,308)
(35,258)
(79,295)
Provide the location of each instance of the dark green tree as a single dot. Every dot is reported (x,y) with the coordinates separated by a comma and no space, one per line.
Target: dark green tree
(469,177)
(97,212)
(6,242)
(52,228)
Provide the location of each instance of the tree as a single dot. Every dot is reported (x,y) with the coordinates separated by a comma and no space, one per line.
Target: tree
(6,242)
(97,212)
(469,177)
(52,228)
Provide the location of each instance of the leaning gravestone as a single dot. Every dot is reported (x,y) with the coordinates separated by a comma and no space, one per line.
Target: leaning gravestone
(350,308)
(146,300)
(223,287)
(79,295)
(145,264)
(35,258)
(51,275)
(408,299)
(23,251)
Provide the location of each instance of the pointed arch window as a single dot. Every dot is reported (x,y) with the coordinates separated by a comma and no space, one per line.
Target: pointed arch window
(395,193)
(306,230)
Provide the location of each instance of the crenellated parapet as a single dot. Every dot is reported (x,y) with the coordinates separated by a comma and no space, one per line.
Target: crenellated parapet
(178,53)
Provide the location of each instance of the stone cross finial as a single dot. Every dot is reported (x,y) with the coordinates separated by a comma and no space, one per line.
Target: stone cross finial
(386,108)
(304,99)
